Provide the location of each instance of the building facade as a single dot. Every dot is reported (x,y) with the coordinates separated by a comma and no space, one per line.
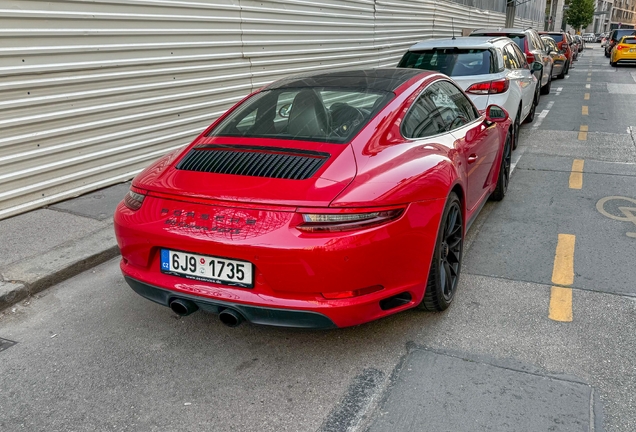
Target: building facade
(623,14)
(91,92)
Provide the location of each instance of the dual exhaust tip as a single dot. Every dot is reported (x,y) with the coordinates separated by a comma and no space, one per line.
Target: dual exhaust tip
(229,317)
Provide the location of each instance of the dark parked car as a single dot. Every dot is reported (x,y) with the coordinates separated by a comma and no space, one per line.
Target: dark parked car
(579,41)
(563,42)
(531,45)
(615,36)
(558,57)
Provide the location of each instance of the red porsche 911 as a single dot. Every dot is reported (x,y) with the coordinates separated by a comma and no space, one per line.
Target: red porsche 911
(323,200)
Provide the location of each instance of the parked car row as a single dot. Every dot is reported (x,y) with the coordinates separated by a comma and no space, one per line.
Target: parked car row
(273,214)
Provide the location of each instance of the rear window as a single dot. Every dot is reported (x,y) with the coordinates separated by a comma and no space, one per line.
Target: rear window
(311,113)
(556,37)
(620,33)
(631,41)
(518,39)
(450,61)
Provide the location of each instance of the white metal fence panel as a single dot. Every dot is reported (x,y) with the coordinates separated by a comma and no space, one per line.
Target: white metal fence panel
(93,91)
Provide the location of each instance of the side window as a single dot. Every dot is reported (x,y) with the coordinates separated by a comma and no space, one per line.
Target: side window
(452,104)
(536,41)
(510,57)
(521,57)
(531,42)
(500,60)
(423,119)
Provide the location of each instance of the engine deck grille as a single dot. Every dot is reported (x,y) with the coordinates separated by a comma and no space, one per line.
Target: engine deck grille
(270,162)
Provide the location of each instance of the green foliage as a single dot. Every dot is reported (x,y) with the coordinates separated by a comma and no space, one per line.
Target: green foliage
(580,14)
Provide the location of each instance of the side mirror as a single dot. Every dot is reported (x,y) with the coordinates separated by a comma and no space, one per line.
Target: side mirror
(496,114)
(537,67)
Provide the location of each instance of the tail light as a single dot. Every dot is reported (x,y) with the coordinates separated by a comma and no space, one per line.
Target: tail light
(490,87)
(530,58)
(133,199)
(620,47)
(337,222)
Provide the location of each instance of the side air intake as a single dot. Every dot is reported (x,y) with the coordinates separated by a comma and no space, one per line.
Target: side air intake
(271,162)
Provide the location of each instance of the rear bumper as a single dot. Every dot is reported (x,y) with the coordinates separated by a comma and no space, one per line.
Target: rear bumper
(253,314)
(292,270)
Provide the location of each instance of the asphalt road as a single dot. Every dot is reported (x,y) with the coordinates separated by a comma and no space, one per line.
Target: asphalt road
(541,337)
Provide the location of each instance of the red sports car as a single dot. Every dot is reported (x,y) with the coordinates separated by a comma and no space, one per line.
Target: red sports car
(322,200)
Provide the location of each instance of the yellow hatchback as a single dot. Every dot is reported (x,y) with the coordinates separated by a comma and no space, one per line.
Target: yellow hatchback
(624,51)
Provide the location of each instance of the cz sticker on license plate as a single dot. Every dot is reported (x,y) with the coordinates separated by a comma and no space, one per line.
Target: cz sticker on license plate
(207,268)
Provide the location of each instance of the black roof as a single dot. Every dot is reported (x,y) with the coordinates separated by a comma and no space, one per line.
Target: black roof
(379,79)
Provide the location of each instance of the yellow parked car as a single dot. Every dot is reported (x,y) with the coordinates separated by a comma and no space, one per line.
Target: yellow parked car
(624,51)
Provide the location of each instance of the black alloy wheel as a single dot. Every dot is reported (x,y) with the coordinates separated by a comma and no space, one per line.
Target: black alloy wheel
(446,264)
(562,74)
(504,172)
(515,129)
(546,88)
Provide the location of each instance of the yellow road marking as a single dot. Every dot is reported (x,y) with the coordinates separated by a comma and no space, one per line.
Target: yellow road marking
(587,96)
(589,79)
(560,304)
(563,271)
(584,110)
(590,74)
(583,133)
(576,176)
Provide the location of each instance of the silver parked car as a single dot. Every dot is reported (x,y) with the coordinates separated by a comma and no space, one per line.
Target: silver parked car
(490,71)
(589,37)
(530,43)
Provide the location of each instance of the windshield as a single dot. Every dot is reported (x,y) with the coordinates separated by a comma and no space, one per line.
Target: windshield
(450,61)
(314,114)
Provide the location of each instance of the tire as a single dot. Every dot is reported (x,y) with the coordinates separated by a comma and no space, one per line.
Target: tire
(613,64)
(515,129)
(546,88)
(533,109)
(503,180)
(443,276)
(562,74)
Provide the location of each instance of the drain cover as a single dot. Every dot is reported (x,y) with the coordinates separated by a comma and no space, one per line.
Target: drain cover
(6,343)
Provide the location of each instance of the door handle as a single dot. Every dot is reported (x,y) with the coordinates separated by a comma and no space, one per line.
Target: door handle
(472,158)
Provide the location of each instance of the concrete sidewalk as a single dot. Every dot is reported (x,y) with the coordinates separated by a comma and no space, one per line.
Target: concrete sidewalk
(43,247)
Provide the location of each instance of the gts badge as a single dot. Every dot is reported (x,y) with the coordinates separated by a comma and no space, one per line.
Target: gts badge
(206,222)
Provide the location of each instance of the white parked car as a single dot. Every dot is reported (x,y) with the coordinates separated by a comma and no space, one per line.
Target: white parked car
(589,37)
(490,70)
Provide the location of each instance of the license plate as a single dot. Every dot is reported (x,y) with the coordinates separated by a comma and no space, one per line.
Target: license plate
(207,268)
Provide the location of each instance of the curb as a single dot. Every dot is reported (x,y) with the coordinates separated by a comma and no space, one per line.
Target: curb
(35,274)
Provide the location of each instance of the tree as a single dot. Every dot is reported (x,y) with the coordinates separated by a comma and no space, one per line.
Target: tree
(580,13)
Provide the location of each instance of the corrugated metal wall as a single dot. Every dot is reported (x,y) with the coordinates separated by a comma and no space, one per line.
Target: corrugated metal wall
(93,91)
